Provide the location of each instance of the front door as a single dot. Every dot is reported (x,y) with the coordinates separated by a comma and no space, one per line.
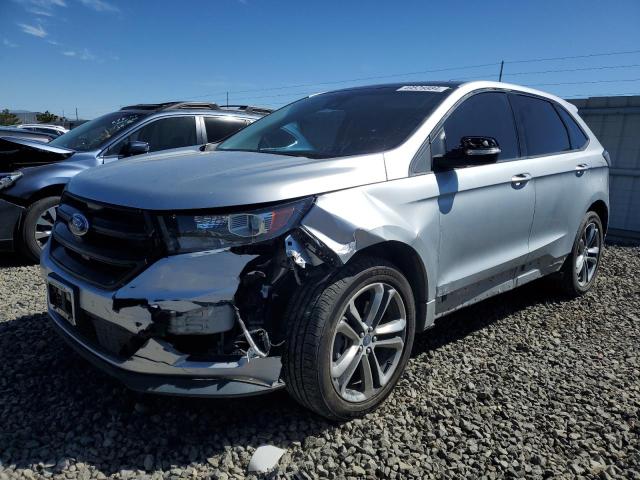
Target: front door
(486,211)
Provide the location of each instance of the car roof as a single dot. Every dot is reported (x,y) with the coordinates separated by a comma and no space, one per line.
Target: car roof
(201,107)
(23,133)
(467,86)
(44,125)
(11,128)
(397,85)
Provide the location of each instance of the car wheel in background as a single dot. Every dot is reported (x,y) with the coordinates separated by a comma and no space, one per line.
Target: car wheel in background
(38,225)
(349,339)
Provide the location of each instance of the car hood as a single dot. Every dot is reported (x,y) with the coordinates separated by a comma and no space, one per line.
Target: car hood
(221,179)
(17,153)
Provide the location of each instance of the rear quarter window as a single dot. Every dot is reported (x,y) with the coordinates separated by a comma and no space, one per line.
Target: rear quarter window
(576,135)
(544,133)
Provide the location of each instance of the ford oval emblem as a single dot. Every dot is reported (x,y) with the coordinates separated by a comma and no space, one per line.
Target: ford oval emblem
(79,225)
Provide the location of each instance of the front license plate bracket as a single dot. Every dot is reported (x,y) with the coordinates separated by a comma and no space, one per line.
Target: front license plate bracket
(62,299)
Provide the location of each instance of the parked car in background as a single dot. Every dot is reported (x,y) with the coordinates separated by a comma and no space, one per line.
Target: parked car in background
(26,135)
(308,249)
(35,174)
(55,130)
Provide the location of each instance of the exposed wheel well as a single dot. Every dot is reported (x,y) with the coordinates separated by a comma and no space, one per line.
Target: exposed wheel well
(410,264)
(48,191)
(603,212)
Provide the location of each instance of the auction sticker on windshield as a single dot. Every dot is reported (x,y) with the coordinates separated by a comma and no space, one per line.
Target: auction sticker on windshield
(422,88)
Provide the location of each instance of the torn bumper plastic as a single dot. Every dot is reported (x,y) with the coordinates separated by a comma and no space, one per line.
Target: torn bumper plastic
(183,294)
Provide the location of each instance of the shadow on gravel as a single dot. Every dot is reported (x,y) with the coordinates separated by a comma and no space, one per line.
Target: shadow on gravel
(458,325)
(57,409)
(14,259)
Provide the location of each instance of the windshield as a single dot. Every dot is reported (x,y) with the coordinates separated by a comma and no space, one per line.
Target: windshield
(93,134)
(342,123)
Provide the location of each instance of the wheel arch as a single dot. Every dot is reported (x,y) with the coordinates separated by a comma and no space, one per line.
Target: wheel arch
(600,207)
(53,190)
(408,261)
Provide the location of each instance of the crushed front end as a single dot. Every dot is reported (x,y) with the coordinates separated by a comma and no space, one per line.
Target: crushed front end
(188,304)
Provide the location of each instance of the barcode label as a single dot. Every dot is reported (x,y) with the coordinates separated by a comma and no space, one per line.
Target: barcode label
(422,88)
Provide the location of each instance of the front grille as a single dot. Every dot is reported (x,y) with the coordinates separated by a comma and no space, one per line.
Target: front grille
(120,243)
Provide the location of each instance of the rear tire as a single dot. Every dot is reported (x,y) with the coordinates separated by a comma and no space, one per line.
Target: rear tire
(37,226)
(580,269)
(343,355)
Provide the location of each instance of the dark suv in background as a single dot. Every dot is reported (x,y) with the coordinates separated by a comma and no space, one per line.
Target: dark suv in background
(34,174)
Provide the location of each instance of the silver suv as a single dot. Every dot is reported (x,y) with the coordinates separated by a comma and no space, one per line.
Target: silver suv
(308,249)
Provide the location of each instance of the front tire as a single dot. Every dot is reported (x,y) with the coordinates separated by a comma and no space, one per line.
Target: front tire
(349,339)
(38,225)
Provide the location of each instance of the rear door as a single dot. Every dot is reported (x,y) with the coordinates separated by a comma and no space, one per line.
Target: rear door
(485,211)
(554,146)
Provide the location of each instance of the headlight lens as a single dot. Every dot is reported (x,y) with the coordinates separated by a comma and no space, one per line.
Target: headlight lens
(8,179)
(204,231)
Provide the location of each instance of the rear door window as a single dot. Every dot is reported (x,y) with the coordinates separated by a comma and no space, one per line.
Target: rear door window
(221,127)
(543,131)
(483,115)
(576,135)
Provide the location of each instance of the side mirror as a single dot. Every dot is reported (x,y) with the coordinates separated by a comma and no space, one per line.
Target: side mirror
(472,151)
(134,148)
(479,146)
(209,147)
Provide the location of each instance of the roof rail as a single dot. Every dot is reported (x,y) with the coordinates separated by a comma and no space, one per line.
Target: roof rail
(197,106)
(172,106)
(193,105)
(147,106)
(249,108)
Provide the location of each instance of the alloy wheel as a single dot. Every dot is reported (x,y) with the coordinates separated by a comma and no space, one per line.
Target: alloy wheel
(368,342)
(589,247)
(44,226)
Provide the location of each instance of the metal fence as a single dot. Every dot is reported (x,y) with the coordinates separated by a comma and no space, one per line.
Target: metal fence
(616,123)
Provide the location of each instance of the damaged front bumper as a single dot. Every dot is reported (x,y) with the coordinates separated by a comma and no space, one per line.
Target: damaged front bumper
(134,333)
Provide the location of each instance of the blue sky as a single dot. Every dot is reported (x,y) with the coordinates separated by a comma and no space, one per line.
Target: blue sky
(97,55)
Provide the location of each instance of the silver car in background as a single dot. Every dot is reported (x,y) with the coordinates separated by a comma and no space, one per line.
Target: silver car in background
(308,249)
(56,130)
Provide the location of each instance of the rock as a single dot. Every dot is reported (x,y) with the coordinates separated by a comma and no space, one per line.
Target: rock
(265,458)
(359,471)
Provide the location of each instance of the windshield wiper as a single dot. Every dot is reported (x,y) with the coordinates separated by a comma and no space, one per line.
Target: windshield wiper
(298,153)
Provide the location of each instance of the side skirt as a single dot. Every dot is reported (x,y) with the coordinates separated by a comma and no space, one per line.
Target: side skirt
(496,284)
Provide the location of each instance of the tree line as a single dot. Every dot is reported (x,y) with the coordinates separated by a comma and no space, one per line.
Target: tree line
(7,118)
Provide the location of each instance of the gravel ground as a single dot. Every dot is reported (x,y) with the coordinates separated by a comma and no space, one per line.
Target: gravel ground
(527,384)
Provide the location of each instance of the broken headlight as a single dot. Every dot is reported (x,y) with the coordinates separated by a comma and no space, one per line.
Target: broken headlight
(211,231)
(8,179)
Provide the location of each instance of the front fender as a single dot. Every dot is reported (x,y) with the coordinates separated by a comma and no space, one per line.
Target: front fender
(35,179)
(403,210)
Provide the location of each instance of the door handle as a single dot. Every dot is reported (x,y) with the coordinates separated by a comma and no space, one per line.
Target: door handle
(581,167)
(520,179)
